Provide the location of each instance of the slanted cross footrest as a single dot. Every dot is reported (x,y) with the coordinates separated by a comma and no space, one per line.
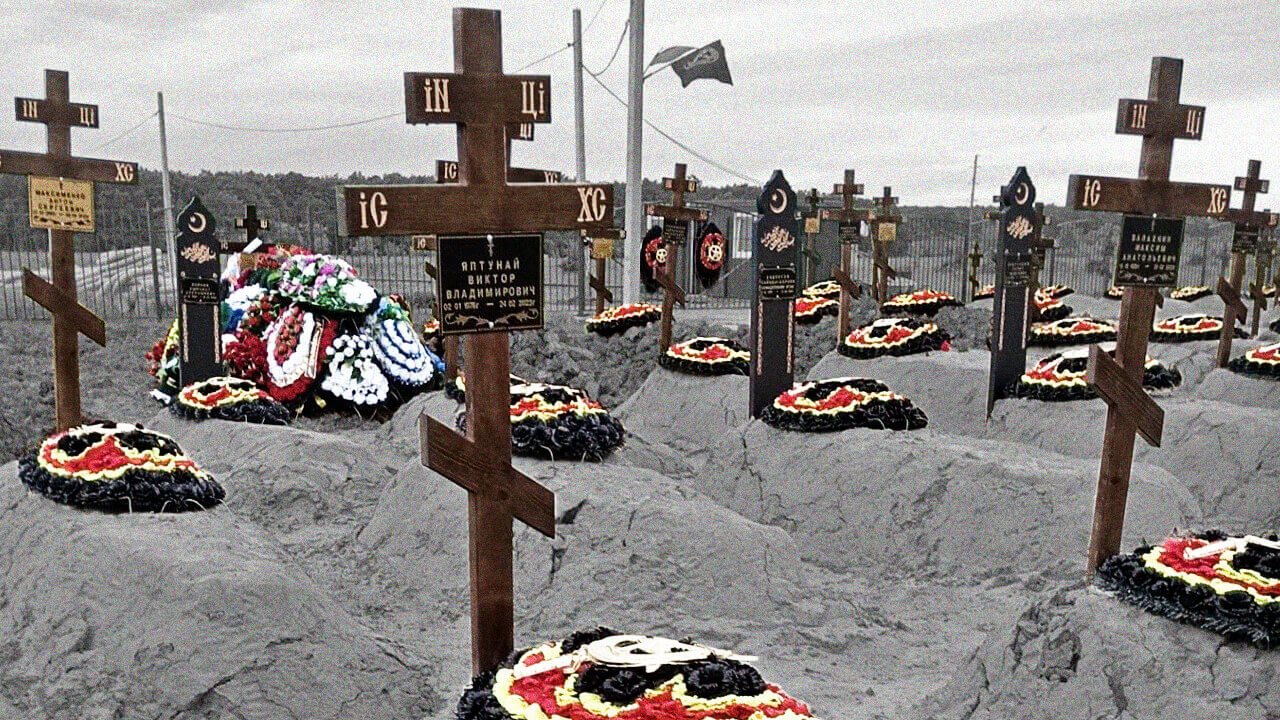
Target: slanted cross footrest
(1118,388)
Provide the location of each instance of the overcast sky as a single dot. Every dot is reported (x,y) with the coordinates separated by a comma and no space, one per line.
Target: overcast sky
(906,93)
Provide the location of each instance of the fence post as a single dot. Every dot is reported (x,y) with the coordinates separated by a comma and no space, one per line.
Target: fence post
(155,265)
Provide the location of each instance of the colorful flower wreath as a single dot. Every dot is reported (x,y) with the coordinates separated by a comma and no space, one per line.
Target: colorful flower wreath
(229,398)
(163,360)
(1078,330)
(325,282)
(1050,307)
(1190,293)
(894,336)
(617,319)
(1264,361)
(985,291)
(558,422)
(1114,293)
(1057,291)
(296,345)
(352,375)
(245,356)
(840,404)
(809,309)
(1060,377)
(707,356)
(118,467)
(1192,326)
(1224,584)
(396,347)
(601,675)
(239,301)
(262,268)
(920,302)
(826,288)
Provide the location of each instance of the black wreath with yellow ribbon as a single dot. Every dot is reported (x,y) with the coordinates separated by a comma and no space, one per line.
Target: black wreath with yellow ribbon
(118,467)
(1060,378)
(1262,361)
(1190,293)
(1071,331)
(1193,326)
(920,302)
(229,398)
(555,422)
(619,319)
(707,356)
(896,336)
(842,403)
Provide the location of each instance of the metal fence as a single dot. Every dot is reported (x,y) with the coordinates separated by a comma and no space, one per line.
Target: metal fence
(124,269)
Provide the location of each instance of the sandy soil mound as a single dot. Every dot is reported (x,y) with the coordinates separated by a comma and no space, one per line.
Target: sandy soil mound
(1226,386)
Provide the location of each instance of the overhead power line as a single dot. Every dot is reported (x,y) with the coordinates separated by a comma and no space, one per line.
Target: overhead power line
(126,132)
(241,128)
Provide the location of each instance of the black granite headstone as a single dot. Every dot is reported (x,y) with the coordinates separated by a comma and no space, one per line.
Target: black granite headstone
(772,315)
(199,295)
(1014,271)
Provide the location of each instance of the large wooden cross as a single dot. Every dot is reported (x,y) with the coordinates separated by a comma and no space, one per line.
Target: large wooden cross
(480,100)
(447,172)
(675,229)
(599,245)
(1160,120)
(884,230)
(1248,227)
(252,225)
(975,260)
(70,318)
(811,228)
(850,225)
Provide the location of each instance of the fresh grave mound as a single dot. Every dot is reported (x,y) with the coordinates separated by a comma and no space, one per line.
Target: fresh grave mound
(1078,330)
(707,356)
(118,467)
(1060,377)
(1192,326)
(894,336)
(840,404)
(827,288)
(1190,293)
(1263,361)
(920,302)
(1050,306)
(602,675)
(809,309)
(229,398)
(1057,291)
(1228,585)
(619,319)
(985,291)
(559,422)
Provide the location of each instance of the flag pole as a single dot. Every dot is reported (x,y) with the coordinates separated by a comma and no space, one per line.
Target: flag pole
(635,123)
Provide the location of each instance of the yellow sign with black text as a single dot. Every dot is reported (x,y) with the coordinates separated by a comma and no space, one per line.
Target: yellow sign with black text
(60,204)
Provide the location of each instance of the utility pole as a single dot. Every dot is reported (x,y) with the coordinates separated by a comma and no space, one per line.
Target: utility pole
(167,201)
(635,123)
(579,124)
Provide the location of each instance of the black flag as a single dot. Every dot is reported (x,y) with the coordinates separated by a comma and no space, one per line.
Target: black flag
(706,62)
(711,254)
(654,257)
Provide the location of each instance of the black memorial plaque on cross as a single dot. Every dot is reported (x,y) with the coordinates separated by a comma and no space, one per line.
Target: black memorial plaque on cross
(773,313)
(849,230)
(1014,270)
(199,295)
(676,218)
(59,297)
(1159,119)
(481,101)
(489,283)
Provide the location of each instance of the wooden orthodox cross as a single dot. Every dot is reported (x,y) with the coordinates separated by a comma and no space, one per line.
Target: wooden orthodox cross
(58,167)
(1148,259)
(884,230)
(773,317)
(600,246)
(447,172)
(975,260)
(1014,270)
(812,226)
(252,225)
(1249,226)
(675,231)
(480,100)
(1262,268)
(850,227)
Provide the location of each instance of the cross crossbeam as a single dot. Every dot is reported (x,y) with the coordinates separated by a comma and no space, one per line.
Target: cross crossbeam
(252,225)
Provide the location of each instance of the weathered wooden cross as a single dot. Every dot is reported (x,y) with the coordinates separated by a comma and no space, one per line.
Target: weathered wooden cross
(884,230)
(447,172)
(675,230)
(600,246)
(812,226)
(252,225)
(1159,119)
(975,260)
(70,318)
(850,219)
(1248,228)
(481,100)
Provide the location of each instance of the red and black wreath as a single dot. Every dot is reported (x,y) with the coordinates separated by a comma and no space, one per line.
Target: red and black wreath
(229,398)
(707,356)
(1184,328)
(654,257)
(1050,307)
(118,467)
(1071,331)
(1190,293)
(1057,291)
(602,675)
(1060,377)
(920,302)
(556,422)
(894,336)
(809,309)
(618,319)
(712,252)
(826,288)
(840,404)
(1263,361)
(1217,582)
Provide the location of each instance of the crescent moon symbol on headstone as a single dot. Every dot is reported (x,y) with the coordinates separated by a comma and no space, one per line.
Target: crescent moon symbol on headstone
(778,201)
(192,223)
(1024,192)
